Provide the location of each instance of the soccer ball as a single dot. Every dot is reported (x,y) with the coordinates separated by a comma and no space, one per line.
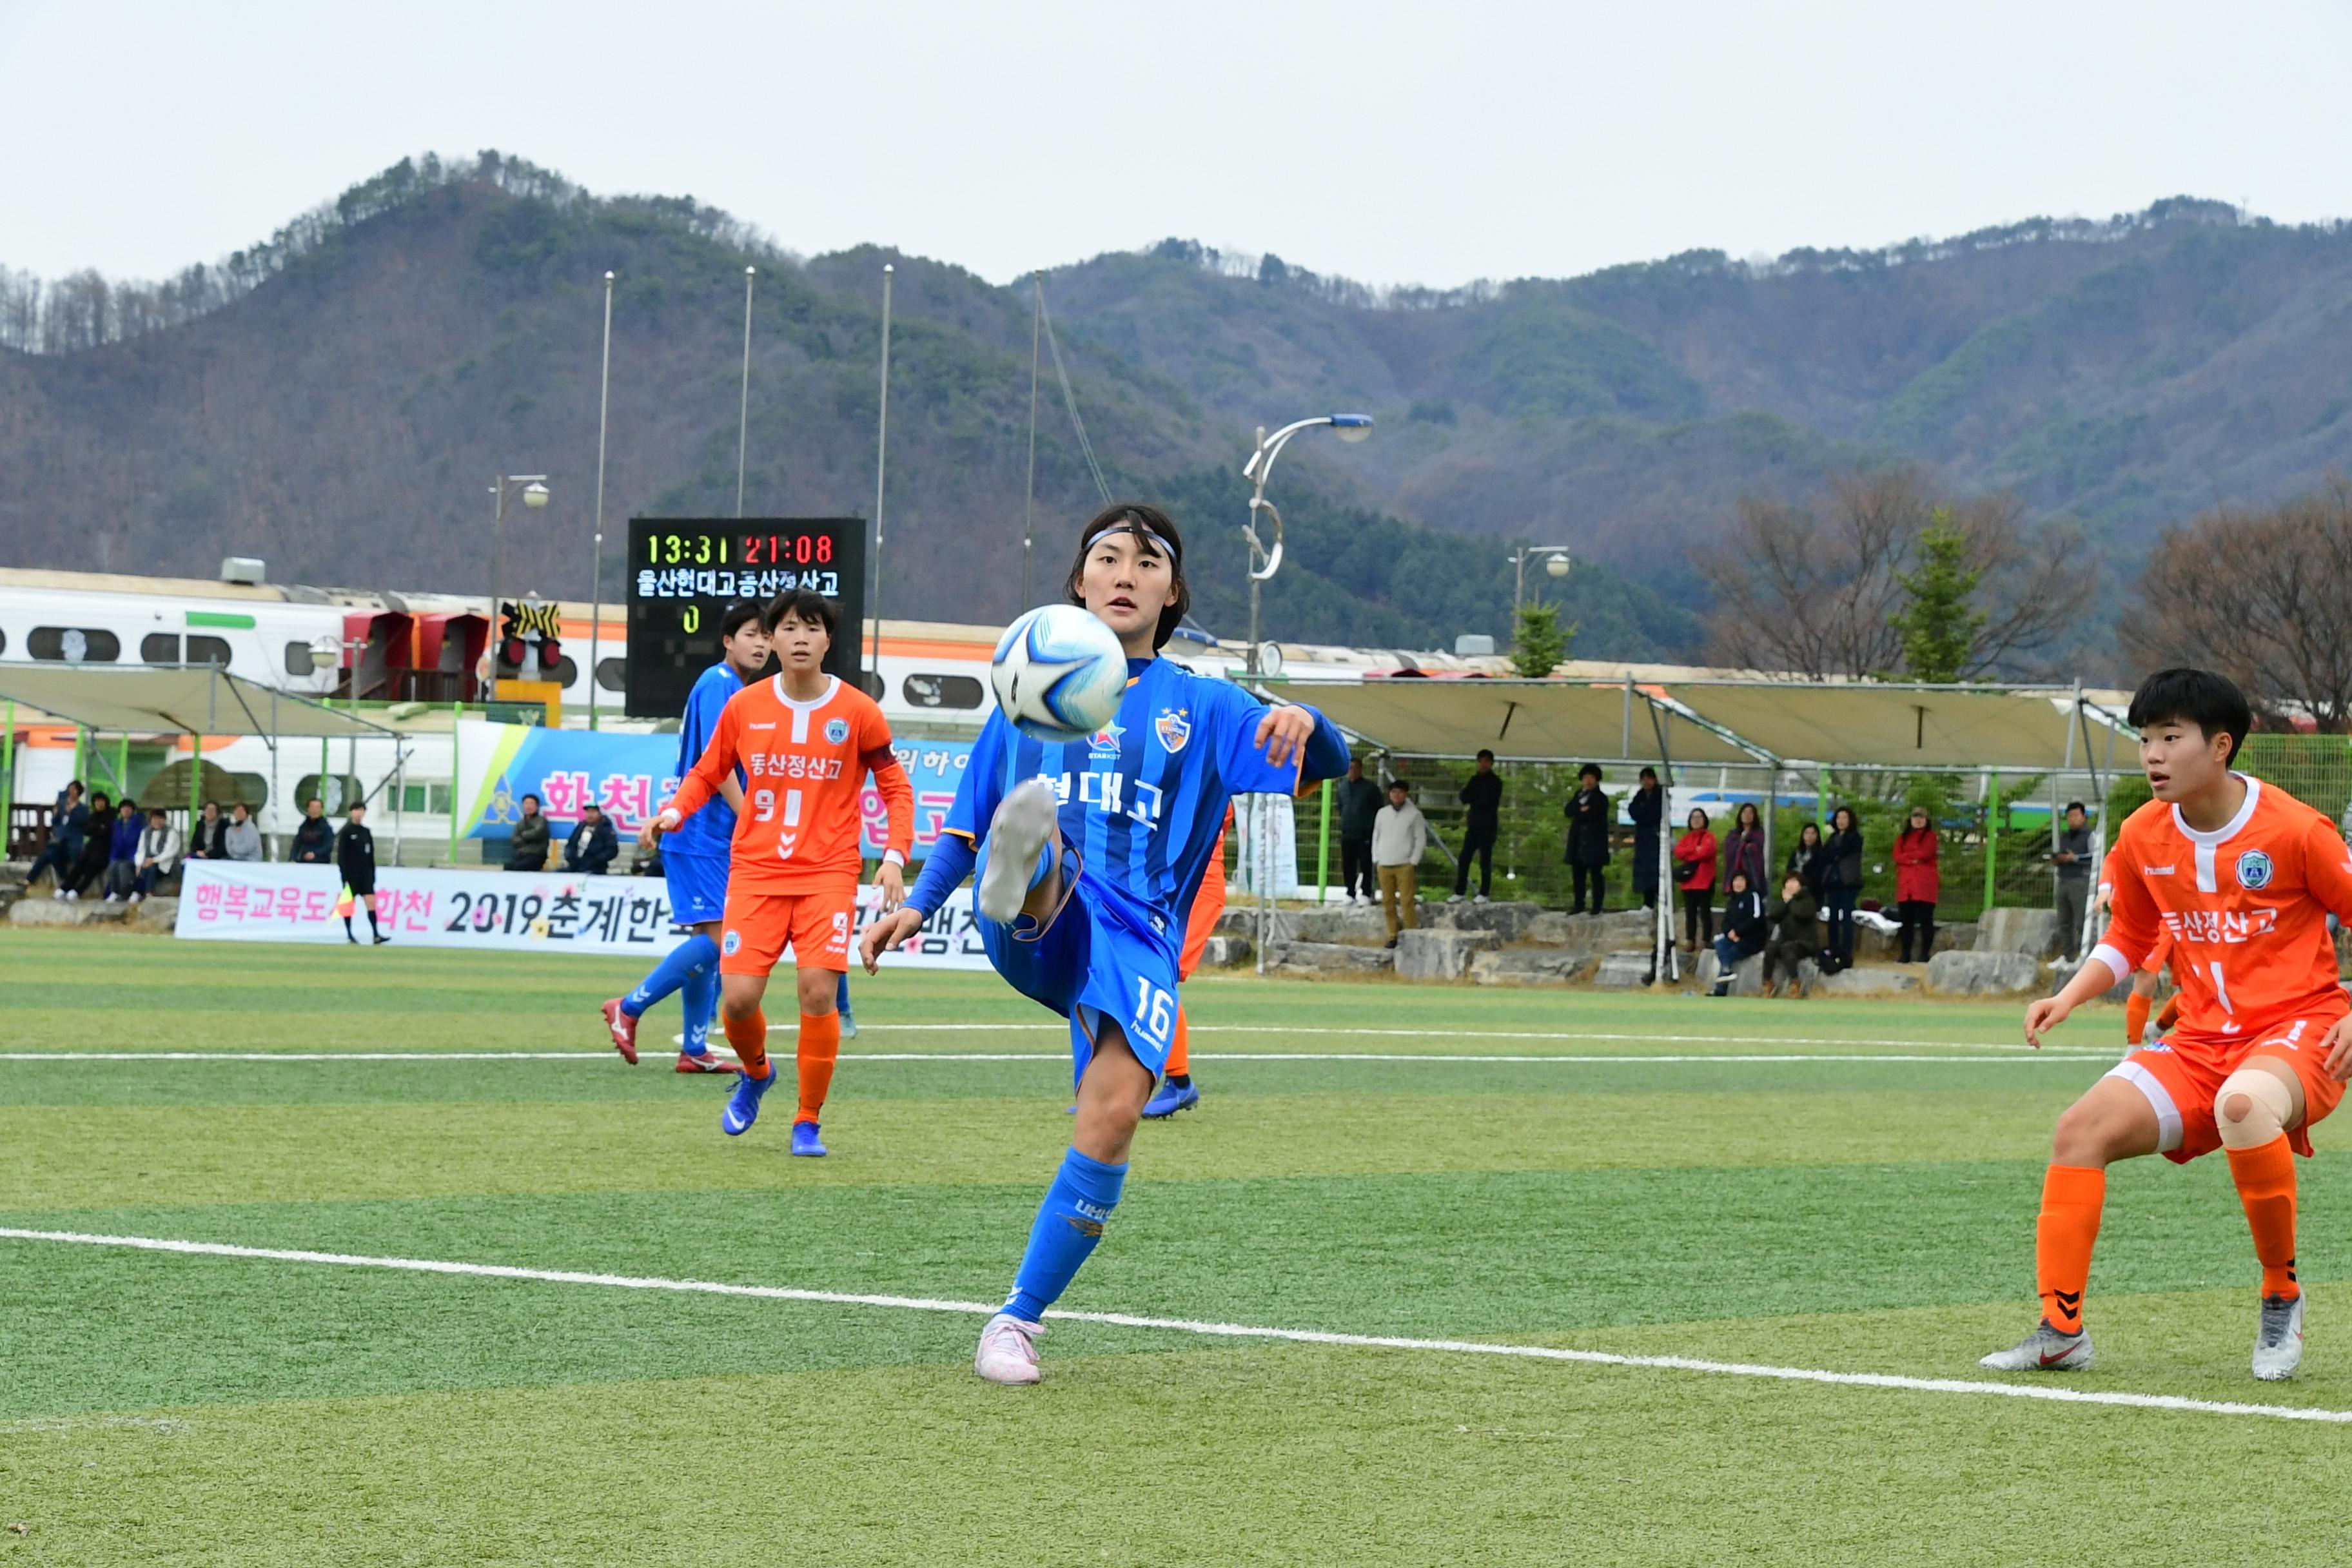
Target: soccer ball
(1059,674)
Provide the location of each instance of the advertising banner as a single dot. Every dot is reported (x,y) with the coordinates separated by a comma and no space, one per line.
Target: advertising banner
(510,911)
(629,777)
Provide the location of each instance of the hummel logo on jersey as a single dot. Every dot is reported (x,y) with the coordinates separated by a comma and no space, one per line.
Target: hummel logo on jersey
(2158,870)
(761,724)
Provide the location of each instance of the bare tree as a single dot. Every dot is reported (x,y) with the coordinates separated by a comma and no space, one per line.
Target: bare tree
(2262,596)
(1813,589)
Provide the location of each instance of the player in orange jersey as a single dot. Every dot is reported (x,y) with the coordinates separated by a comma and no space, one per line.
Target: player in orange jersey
(2146,978)
(1176,1091)
(2242,876)
(806,741)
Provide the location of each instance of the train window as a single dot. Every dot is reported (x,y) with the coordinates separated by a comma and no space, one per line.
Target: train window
(871,684)
(3,642)
(74,645)
(208,650)
(566,673)
(613,674)
(941,690)
(159,647)
(251,788)
(299,660)
(341,790)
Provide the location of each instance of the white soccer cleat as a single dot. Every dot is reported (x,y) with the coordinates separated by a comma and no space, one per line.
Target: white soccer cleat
(2045,1350)
(1008,1350)
(1025,822)
(2278,1341)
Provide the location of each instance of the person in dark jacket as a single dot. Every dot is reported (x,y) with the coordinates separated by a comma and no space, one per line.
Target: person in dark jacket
(1841,883)
(356,858)
(1796,934)
(68,823)
(123,851)
(1744,929)
(591,846)
(210,840)
(1805,859)
(1360,806)
(527,851)
(1743,847)
(88,867)
(1647,807)
(1483,795)
(1589,821)
(314,841)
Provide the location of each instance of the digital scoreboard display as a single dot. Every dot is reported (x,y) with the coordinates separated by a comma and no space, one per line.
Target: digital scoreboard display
(683,572)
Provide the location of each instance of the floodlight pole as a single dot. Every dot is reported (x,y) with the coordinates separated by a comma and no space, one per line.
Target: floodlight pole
(1029,507)
(743,417)
(596,562)
(1519,559)
(498,484)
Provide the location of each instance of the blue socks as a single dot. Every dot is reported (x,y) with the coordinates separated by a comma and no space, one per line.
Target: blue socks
(1069,1222)
(699,997)
(697,955)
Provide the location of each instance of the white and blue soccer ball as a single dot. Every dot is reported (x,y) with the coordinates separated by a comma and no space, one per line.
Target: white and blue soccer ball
(1059,674)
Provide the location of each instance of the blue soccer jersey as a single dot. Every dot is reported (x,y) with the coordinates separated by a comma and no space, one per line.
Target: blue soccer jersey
(708,834)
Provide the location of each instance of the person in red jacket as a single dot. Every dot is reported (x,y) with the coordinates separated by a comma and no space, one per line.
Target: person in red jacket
(1916,884)
(1695,875)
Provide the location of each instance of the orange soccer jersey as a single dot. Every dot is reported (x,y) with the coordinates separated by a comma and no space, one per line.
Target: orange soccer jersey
(804,767)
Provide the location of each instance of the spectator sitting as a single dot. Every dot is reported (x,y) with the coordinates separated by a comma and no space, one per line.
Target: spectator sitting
(1694,876)
(1360,807)
(88,867)
(1483,795)
(314,841)
(243,838)
(527,851)
(159,854)
(1916,884)
(1744,929)
(212,836)
(1647,807)
(1796,934)
(68,823)
(592,846)
(1399,836)
(123,851)
(1805,859)
(2073,862)
(1588,822)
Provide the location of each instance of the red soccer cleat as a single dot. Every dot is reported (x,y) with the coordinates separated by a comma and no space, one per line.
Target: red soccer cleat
(710,1061)
(625,1031)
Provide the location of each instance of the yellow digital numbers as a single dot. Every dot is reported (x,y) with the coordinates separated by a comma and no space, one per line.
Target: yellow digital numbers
(673,548)
(691,621)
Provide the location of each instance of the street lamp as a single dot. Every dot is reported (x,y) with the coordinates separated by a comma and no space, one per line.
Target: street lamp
(1555,560)
(534,496)
(1265,562)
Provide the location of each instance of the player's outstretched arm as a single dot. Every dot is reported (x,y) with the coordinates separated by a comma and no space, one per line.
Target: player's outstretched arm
(2094,979)
(899,926)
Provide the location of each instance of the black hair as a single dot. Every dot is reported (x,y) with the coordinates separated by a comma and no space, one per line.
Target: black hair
(2078,805)
(1812,827)
(2185,695)
(802,604)
(1589,770)
(98,795)
(1704,821)
(1853,820)
(74,786)
(157,810)
(1155,531)
(1746,809)
(731,619)
(528,795)
(1650,775)
(1484,755)
(1400,783)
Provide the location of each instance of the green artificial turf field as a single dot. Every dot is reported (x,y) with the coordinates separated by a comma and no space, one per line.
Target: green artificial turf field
(1840,1187)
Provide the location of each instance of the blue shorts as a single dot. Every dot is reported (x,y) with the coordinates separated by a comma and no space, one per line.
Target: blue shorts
(697,886)
(1091,964)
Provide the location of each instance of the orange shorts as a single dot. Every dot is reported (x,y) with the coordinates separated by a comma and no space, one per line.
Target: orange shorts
(2160,956)
(757,925)
(2181,1079)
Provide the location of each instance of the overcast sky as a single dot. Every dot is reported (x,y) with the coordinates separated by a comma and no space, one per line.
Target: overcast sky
(1430,142)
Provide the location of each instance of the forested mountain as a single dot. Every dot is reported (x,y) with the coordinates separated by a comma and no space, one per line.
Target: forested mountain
(337,400)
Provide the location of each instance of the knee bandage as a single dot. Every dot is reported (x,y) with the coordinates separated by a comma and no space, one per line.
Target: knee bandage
(2251,1108)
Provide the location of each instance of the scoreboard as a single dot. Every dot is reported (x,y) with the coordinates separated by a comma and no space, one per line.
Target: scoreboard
(683,572)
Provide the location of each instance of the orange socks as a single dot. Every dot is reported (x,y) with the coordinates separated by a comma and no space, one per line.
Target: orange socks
(820,1046)
(1180,1057)
(2135,1018)
(2071,1197)
(2265,1178)
(2170,1016)
(749,1039)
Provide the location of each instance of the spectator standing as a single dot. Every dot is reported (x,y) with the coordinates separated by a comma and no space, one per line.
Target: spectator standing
(1918,884)
(1805,859)
(1483,795)
(2074,860)
(1694,876)
(1796,934)
(1400,834)
(244,836)
(68,822)
(356,858)
(1647,807)
(1743,850)
(1360,808)
(591,846)
(123,851)
(1588,822)
(88,867)
(211,841)
(1744,929)
(528,850)
(1841,883)
(159,854)
(314,841)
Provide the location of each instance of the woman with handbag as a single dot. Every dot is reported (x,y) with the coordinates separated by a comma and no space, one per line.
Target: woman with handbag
(1916,884)
(1694,876)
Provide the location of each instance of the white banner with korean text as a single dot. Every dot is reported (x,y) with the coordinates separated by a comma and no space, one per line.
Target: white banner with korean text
(512,911)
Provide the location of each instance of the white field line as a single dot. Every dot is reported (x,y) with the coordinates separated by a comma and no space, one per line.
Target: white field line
(1429,1058)
(2042,1391)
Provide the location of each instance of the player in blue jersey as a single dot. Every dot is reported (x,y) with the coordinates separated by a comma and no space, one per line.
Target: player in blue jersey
(693,861)
(1088,856)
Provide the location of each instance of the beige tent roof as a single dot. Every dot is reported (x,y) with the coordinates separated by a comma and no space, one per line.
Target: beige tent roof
(1833,724)
(199,701)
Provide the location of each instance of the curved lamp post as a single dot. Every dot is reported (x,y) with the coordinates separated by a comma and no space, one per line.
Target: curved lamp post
(1267,559)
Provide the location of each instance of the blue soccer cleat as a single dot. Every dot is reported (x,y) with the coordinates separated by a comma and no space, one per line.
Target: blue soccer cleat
(848,1025)
(1169,1098)
(804,1140)
(744,1105)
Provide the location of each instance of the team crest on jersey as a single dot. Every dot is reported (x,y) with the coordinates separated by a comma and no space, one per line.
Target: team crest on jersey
(1173,727)
(2254,870)
(1104,740)
(837,730)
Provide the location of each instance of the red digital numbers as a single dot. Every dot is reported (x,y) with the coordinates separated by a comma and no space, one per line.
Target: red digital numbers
(777,550)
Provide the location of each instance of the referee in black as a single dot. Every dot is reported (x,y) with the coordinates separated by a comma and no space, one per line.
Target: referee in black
(356,858)
(1483,795)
